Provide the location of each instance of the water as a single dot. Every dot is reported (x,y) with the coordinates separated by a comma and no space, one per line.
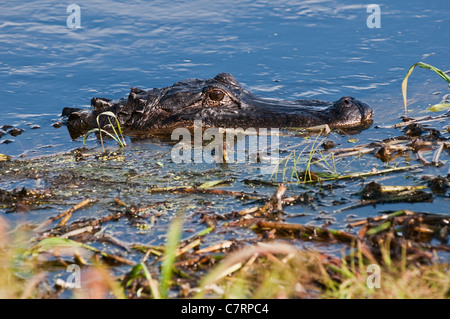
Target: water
(285,49)
(312,49)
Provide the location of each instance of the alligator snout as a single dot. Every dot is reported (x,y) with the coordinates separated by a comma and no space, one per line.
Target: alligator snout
(351,112)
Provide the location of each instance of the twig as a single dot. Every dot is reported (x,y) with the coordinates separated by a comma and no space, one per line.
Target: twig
(116,258)
(420,157)
(119,202)
(437,154)
(357,205)
(64,214)
(64,220)
(77,232)
(115,241)
(223,245)
(362,175)
(186,248)
(183,249)
(308,230)
(360,151)
(196,190)
(420,120)
(382,217)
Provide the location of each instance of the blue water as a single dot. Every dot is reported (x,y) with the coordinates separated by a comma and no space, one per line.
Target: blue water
(282,49)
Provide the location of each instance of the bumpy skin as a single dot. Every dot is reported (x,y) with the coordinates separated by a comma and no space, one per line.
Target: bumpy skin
(219,102)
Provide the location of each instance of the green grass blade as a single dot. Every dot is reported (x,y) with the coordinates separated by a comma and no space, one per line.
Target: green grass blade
(438,71)
(112,136)
(120,132)
(424,66)
(87,135)
(53,242)
(120,140)
(173,237)
(152,283)
(115,134)
(101,131)
(379,228)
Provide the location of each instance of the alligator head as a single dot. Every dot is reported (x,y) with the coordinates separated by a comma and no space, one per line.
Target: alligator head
(218,102)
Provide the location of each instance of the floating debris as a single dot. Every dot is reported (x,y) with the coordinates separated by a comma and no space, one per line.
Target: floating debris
(414,129)
(23,199)
(438,185)
(328,145)
(16,131)
(65,216)
(6,127)
(302,231)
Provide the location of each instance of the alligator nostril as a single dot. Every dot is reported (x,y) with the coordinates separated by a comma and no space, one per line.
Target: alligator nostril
(346,102)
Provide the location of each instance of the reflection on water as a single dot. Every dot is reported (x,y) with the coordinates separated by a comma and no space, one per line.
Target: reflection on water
(284,49)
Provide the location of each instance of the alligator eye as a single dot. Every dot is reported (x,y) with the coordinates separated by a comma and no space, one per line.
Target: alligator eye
(216,95)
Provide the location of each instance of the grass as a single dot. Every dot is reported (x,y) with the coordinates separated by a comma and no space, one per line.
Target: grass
(264,270)
(12,285)
(279,270)
(437,107)
(119,139)
(274,270)
(307,175)
(397,280)
(173,238)
(427,282)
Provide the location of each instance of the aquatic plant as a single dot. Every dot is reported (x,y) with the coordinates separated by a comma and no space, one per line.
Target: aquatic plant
(437,107)
(307,175)
(120,140)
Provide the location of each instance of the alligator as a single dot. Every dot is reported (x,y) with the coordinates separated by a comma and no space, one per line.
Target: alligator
(217,102)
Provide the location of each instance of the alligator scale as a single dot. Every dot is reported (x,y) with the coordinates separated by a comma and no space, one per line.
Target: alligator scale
(218,102)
